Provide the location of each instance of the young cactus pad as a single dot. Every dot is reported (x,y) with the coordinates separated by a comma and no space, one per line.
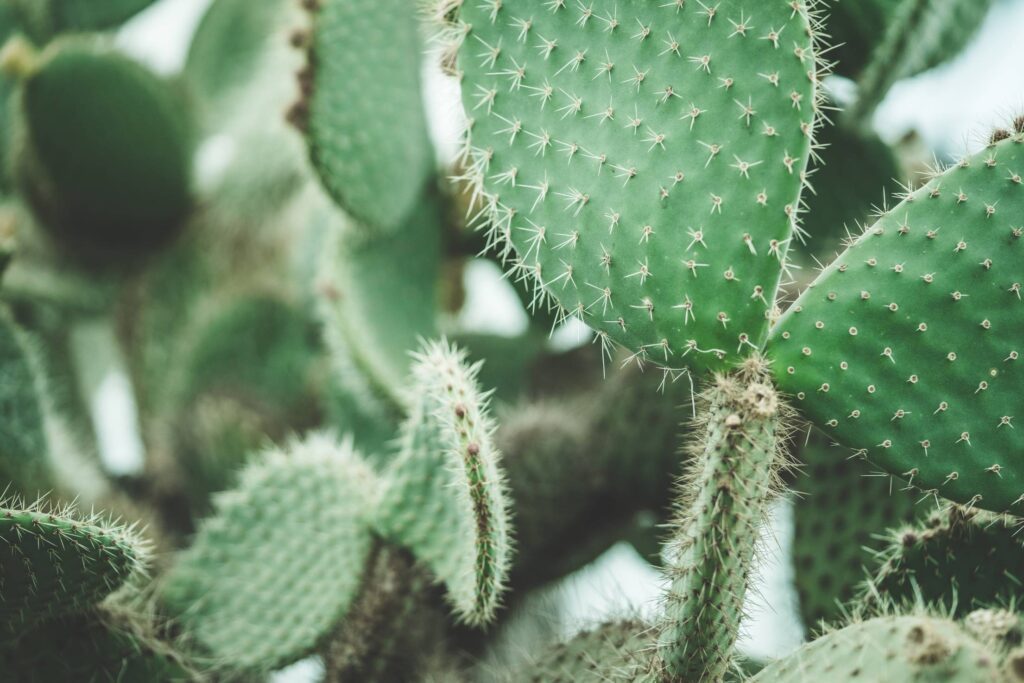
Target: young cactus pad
(890,649)
(277,566)
(364,118)
(53,562)
(116,177)
(644,159)
(908,346)
(444,497)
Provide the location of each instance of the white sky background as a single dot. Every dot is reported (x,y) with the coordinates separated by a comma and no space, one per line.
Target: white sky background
(953,108)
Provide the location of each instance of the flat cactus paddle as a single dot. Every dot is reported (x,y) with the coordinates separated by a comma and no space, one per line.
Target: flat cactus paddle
(644,159)
(908,346)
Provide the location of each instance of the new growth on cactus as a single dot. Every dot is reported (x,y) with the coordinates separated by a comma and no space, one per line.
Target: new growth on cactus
(386,326)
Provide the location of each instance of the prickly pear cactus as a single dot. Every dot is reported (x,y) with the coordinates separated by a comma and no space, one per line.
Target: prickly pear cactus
(119,179)
(362,109)
(56,562)
(842,508)
(962,559)
(611,652)
(444,497)
(908,346)
(643,161)
(281,560)
(888,650)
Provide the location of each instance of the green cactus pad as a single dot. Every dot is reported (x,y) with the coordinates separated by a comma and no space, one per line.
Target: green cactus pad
(644,159)
(842,509)
(908,346)
(55,562)
(611,653)
(91,648)
(364,117)
(24,457)
(444,496)
(379,296)
(277,566)
(913,36)
(888,650)
(115,178)
(961,559)
(724,500)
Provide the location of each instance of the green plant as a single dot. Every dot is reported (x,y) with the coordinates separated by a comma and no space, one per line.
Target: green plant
(277,256)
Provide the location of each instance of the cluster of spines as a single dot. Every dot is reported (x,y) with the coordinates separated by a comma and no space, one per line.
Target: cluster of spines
(498,218)
(737,466)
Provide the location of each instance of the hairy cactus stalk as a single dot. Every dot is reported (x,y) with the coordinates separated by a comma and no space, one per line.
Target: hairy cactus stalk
(724,500)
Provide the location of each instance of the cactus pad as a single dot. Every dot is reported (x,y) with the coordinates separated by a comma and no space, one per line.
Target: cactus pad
(843,508)
(54,562)
(962,559)
(24,460)
(364,117)
(644,159)
(611,653)
(277,566)
(444,496)
(888,650)
(91,647)
(116,178)
(908,347)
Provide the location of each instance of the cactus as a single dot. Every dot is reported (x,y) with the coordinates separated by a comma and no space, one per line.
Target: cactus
(57,562)
(892,648)
(734,474)
(641,169)
(841,509)
(963,559)
(362,109)
(118,180)
(24,460)
(906,346)
(444,496)
(249,589)
(633,130)
(109,645)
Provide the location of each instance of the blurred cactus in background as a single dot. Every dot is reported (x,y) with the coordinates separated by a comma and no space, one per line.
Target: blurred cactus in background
(276,259)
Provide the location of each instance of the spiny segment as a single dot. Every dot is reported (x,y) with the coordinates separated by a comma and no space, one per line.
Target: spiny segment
(101,646)
(959,558)
(843,507)
(724,502)
(445,496)
(24,461)
(54,561)
(280,562)
(907,348)
(610,653)
(891,648)
(362,108)
(641,162)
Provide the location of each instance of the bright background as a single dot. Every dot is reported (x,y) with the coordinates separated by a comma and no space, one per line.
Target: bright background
(952,108)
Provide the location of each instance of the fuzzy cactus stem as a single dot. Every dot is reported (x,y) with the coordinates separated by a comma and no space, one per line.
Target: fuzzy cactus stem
(723,501)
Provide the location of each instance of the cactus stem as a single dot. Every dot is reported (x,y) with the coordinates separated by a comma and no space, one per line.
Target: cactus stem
(723,501)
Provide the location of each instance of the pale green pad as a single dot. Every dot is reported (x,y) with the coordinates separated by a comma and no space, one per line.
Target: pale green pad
(888,650)
(611,653)
(55,562)
(444,496)
(24,461)
(277,566)
(645,159)
(908,346)
(367,127)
